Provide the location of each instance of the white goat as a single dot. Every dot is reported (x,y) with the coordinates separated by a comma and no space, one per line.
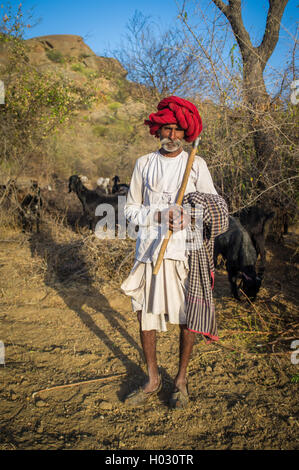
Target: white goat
(103,183)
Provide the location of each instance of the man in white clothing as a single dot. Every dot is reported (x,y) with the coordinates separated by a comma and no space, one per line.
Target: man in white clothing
(155,184)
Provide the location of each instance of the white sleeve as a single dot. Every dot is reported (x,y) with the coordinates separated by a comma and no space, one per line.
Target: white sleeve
(204,183)
(134,210)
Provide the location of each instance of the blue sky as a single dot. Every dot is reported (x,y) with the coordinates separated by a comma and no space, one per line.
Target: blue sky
(103,23)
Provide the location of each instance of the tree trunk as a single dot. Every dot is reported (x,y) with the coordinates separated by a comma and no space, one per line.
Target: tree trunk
(257,99)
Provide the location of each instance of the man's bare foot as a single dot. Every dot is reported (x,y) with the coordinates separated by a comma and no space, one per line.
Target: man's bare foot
(142,395)
(181,385)
(180,396)
(152,384)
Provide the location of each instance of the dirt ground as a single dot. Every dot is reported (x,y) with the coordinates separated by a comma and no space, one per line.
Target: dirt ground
(58,331)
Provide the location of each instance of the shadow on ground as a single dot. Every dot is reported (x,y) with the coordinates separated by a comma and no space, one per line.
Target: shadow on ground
(59,274)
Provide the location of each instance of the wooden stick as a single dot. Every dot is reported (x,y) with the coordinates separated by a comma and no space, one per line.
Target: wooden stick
(101,379)
(179,202)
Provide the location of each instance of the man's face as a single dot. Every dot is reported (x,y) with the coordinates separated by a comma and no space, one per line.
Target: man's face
(171,136)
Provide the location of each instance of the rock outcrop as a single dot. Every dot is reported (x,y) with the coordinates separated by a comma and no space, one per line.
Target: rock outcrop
(67,49)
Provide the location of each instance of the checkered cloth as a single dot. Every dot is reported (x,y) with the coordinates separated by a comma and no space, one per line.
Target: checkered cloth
(200,309)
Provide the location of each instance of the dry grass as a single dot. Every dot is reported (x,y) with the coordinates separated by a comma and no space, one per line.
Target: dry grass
(66,256)
(71,254)
(66,323)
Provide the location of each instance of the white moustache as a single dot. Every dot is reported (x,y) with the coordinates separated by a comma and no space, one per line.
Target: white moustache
(171,145)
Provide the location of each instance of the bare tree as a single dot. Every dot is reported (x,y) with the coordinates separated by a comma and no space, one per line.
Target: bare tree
(254,58)
(157,59)
(254,61)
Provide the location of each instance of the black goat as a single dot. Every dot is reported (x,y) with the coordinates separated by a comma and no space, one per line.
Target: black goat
(29,206)
(117,187)
(5,194)
(257,222)
(285,214)
(26,203)
(6,190)
(90,200)
(237,249)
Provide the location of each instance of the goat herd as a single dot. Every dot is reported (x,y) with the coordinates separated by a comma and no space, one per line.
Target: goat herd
(92,198)
(240,246)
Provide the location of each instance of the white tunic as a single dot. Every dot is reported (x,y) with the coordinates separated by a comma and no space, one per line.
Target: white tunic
(155,185)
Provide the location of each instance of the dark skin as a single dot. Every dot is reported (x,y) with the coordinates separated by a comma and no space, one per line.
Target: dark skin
(187,337)
(172,132)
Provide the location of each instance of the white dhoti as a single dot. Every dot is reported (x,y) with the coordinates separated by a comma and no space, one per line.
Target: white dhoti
(160,298)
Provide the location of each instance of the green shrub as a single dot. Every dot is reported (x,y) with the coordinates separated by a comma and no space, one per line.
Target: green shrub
(55,56)
(120,130)
(100,131)
(114,106)
(89,73)
(78,68)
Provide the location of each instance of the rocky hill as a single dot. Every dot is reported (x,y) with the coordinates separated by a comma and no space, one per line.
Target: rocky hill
(104,139)
(64,48)
(67,48)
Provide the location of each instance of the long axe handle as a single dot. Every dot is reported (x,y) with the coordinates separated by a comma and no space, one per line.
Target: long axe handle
(179,201)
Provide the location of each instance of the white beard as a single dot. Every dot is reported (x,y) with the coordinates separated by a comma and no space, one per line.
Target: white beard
(171,145)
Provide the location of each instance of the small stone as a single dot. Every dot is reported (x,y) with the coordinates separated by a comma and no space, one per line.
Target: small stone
(40,403)
(291,420)
(209,369)
(105,405)
(40,429)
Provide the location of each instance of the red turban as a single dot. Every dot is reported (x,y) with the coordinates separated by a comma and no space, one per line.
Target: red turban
(175,110)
